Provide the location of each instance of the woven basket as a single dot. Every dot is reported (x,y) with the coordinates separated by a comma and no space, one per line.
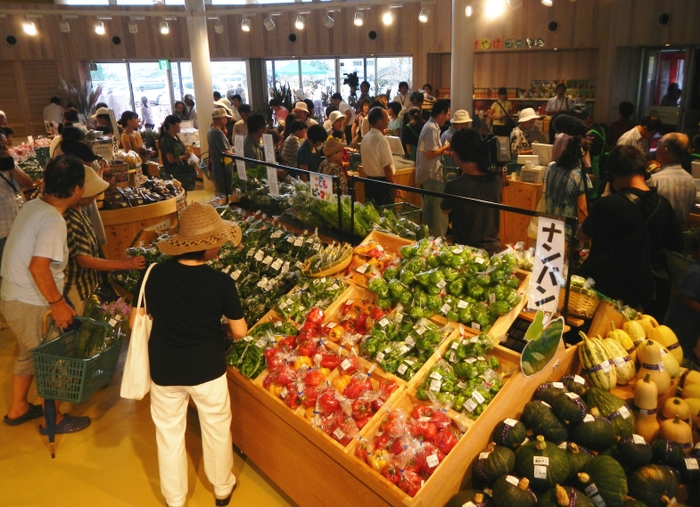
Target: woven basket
(582,302)
(331,270)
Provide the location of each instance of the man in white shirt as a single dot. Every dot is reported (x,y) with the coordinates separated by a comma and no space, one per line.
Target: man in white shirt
(671,180)
(377,161)
(343,107)
(54,112)
(429,167)
(35,257)
(403,97)
(240,128)
(560,102)
(640,135)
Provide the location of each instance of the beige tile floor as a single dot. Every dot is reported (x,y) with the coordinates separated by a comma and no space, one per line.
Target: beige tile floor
(112,463)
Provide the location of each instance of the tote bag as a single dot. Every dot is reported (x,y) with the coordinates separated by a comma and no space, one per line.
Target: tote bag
(136,381)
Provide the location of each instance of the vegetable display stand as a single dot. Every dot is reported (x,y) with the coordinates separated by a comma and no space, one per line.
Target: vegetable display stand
(313,469)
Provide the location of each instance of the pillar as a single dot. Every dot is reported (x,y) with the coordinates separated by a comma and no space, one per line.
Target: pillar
(462,79)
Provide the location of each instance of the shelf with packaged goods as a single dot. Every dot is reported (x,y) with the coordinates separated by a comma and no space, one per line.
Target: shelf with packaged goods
(530,99)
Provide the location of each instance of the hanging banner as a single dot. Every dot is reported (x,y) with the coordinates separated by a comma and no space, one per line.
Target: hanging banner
(238,145)
(321,187)
(547,275)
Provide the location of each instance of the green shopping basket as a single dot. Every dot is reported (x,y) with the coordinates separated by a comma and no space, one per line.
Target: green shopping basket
(62,376)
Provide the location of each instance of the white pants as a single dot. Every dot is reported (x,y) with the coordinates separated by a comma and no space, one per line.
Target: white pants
(169,412)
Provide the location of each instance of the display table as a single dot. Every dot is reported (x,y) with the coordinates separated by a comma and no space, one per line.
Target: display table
(405,176)
(520,195)
(122,225)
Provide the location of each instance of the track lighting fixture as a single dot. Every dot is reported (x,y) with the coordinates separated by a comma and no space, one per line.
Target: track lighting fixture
(245,24)
(388,18)
(164,27)
(548,3)
(64,26)
(359,18)
(329,21)
(133,27)
(515,4)
(468,11)
(424,14)
(269,23)
(29,27)
(300,22)
(100,28)
(218,26)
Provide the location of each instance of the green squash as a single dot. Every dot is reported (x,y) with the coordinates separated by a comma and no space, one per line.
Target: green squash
(548,391)
(564,496)
(603,476)
(538,416)
(667,452)
(509,433)
(542,463)
(570,407)
(475,496)
(595,432)
(494,462)
(509,491)
(688,469)
(612,408)
(652,482)
(634,451)
(578,457)
(575,384)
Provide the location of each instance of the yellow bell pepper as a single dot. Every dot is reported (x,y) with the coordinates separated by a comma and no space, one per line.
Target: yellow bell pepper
(276,390)
(300,361)
(325,371)
(336,333)
(378,459)
(340,383)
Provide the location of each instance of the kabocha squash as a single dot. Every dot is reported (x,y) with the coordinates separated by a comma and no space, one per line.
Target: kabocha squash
(649,354)
(635,451)
(549,391)
(670,362)
(564,496)
(494,462)
(667,338)
(690,470)
(462,498)
(570,407)
(510,491)
(677,431)
(578,457)
(542,463)
(538,416)
(603,476)
(624,365)
(675,407)
(635,331)
(623,339)
(575,384)
(596,362)
(651,482)
(594,432)
(509,433)
(667,452)
(612,408)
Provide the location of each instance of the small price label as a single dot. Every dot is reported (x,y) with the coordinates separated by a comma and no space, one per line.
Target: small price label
(284,392)
(276,234)
(624,412)
(469,504)
(547,404)
(410,341)
(236,274)
(317,246)
(540,460)
(339,434)
(619,362)
(638,439)
(563,445)
(403,350)
(512,480)
(558,385)
(573,396)
(260,343)
(605,366)
(579,380)
(250,253)
(345,364)
(462,304)
(453,357)
(380,357)
(588,418)
(441,284)
(591,490)
(479,260)
(661,366)
(420,330)
(362,269)
(445,308)
(277,265)
(455,345)
(384,322)
(470,405)
(402,368)
(113,322)
(436,375)
(321,187)
(432,461)
(492,298)
(457,250)
(476,325)
(539,472)
(484,455)
(511,422)
(691,463)
(267,260)
(291,239)
(470,360)
(436,385)
(478,397)
(398,318)
(259,255)
(299,241)
(598,501)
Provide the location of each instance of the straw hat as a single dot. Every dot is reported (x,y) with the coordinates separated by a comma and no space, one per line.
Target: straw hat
(201,228)
(220,112)
(333,145)
(528,114)
(301,106)
(224,102)
(94,185)
(335,116)
(460,116)
(101,110)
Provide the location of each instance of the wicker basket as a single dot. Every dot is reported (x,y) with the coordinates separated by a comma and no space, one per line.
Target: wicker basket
(582,302)
(331,270)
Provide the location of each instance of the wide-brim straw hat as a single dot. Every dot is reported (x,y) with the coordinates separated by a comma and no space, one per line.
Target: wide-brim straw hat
(201,228)
(301,106)
(332,146)
(94,185)
(220,112)
(100,111)
(528,114)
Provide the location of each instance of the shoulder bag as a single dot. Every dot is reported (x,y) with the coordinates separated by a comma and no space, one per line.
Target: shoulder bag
(508,122)
(136,381)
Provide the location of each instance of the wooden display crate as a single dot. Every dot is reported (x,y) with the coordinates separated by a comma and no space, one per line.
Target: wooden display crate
(389,242)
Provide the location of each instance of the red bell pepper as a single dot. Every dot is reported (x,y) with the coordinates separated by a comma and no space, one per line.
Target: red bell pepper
(392,473)
(327,402)
(410,482)
(445,440)
(358,384)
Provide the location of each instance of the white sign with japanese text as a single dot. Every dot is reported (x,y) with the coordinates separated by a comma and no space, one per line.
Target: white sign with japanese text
(548,272)
(269,147)
(238,145)
(321,186)
(272,181)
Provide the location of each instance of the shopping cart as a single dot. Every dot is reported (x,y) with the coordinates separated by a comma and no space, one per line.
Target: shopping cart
(60,375)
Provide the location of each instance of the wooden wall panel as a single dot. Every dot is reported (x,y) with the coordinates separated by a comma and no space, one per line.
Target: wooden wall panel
(41,79)
(10,102)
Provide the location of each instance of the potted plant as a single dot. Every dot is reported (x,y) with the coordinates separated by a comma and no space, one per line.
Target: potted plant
(84,96)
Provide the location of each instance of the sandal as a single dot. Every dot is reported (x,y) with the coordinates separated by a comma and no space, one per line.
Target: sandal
(34,412)
(69,424)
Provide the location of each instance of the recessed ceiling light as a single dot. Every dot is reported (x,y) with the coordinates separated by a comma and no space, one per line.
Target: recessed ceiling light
(388,18)
(548,3)
(468,11)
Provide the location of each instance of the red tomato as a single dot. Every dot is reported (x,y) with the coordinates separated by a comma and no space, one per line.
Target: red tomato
(386,387)
(392,474)
(360,323)
(330,361)
(361,423)
(423,430)
(308,348)
(327,402)
(292,399)
(445,440)
(410,482)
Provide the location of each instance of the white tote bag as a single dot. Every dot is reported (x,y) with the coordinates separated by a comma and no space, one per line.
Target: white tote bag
(136,381)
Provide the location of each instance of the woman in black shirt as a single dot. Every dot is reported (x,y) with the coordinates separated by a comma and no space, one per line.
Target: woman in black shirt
(172,149)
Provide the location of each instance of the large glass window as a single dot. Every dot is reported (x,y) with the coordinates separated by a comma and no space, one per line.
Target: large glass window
(287,73)
(348,66)
(391,71)
(114,79)
(318,83)
(150,79)
(230,78)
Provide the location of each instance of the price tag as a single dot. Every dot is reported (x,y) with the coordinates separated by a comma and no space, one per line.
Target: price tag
(598,501)
(488,491)
(624,412)
(435,386)
(384,322)
(260,343)
(513,480)
(338,433)
(469,504)
(588,418)
(579,380)
(480,358)
(272,182)
(276,234)
(484,455)
(462,385)
(345,364)
(470,360)
(291,239)
(362,269)
(455,345)
(547,404)
(267,260)
(441,284)
(462,304)
(563,445)
(420,330)
(470,405)
(661,366)
(239,148)
(558,385)
(248,338)
(410,341)
(663,351)
(317,246)
(475,325)
(436,375)
(573,396)
(539,472)
(540,460)
(321,186)
(478,397)
(619,362)
(398,318)
(284,392)
(445,308)
(380,357)
(591,490)
(605,366)
(259,255)
(473,339)
(492,298)
(236,274)
(479,260)
(457,250)
(432,461)
(277,264)
(404,349)
(402,368)
(409,362)
(309,240)
(453,357)
(510,422)
(250,252)
(691,463)
(299,265)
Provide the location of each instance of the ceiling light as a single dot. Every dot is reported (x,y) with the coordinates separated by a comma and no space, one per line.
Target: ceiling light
(387,18)
(329,21)
(494,8)
(423,16)
(515,4)
(64,26)
(133,27)
(245,24)
(359,18)
(29,27)
(100,28)
(164,27)
(548,3)
(468,11)
(299,23)
(269,23)
(218,26)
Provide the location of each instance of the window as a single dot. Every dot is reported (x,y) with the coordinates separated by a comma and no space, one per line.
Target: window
(230,78)
(391,71)
(150,79)
(287,74)
(318,83)
(114,79)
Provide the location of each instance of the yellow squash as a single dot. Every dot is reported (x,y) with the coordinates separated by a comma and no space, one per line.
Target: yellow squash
(649,353)
(623,339)
(666,337)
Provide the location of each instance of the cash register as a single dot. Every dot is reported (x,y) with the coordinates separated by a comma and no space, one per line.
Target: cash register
(535,165)
(398,153)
